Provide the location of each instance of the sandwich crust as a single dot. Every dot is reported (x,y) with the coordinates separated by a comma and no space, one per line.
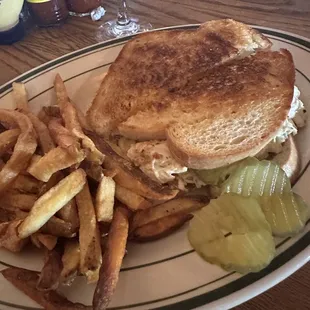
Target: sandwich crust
(155,64)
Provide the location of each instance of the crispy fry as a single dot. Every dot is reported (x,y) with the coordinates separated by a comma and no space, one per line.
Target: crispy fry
(132,200)
(58,228)
(47,241)
(160,228)
(70,116)
(130,176)
(24,148)
(112,259)
(15,199)
(51,202)
(55,160)
(26,280)
(9,238)
(175,206)
(45,140)
(52,111)
(50,273)
(20,96)
(53,180)
(27,184)
(70,261)
(105,199)
(89,236)
(11,214)
(69,214)
(63,137)
(8,139)
(43,117)
(93,170)
(21,100)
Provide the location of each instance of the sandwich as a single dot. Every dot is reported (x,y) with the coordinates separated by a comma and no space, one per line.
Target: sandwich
(179,101)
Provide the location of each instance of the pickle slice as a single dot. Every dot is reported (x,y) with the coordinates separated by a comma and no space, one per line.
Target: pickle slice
(287,214)
(232,232)
(263,178)
(218,175)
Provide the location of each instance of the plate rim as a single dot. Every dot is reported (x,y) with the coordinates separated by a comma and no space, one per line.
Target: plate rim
(253,288)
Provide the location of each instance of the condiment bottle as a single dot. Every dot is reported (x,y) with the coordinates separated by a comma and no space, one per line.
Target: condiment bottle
(82,7)
(48,13)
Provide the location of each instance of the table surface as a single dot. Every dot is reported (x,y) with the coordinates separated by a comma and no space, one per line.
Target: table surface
(42,45)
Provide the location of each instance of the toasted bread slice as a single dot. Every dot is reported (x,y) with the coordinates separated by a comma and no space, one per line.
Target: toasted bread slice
(129,176)
(155,64)
(245,104)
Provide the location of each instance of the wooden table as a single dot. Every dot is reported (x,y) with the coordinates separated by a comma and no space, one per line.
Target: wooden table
(41,45)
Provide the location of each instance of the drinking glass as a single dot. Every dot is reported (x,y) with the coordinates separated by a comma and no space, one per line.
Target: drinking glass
(123,25)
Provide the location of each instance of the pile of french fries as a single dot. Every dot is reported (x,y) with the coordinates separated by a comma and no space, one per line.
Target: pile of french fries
(67,191)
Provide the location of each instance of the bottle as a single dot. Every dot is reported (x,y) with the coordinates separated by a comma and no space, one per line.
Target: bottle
(11,26)
(47,13)
(82,7)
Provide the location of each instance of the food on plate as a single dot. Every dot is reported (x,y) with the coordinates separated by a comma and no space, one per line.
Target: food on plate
(70,116)
(50,273)
(8,139)
(55,160)
(286,213)
(257,178)
(51,202)
(26,281)
(105,199)
(89,236)
(47,241)
(132,200)
(70,261)
(159,228)
(233,232)
(180,118)
(112,258)
(174,206)
(24,148)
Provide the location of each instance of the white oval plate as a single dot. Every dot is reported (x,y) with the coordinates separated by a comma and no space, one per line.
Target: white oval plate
(164,274)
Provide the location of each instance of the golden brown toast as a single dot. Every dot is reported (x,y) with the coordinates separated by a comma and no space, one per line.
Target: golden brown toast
(154,65)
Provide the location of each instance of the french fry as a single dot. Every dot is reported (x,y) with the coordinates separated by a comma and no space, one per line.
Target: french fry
(89,237)
(24,148)
(175,206)
(26,281)
(45,140)
(27,184)
(47,241)
(55,160)
(20,96)
(21,100)
(58,228)
(11,214)
(105,199)
(70,261)
(8,139)
(49,278)
(43,117)
(112,259)
(52,111)
(9,238)
(70,116)
(15,199)
(51,202)
(130,176)
(69,214)
(132,200)
(93,170)
(63,137)
(159,228)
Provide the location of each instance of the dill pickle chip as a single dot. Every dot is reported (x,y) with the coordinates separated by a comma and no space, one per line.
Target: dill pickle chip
(263,178)
(287,214)
(218,175)
(233,233)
